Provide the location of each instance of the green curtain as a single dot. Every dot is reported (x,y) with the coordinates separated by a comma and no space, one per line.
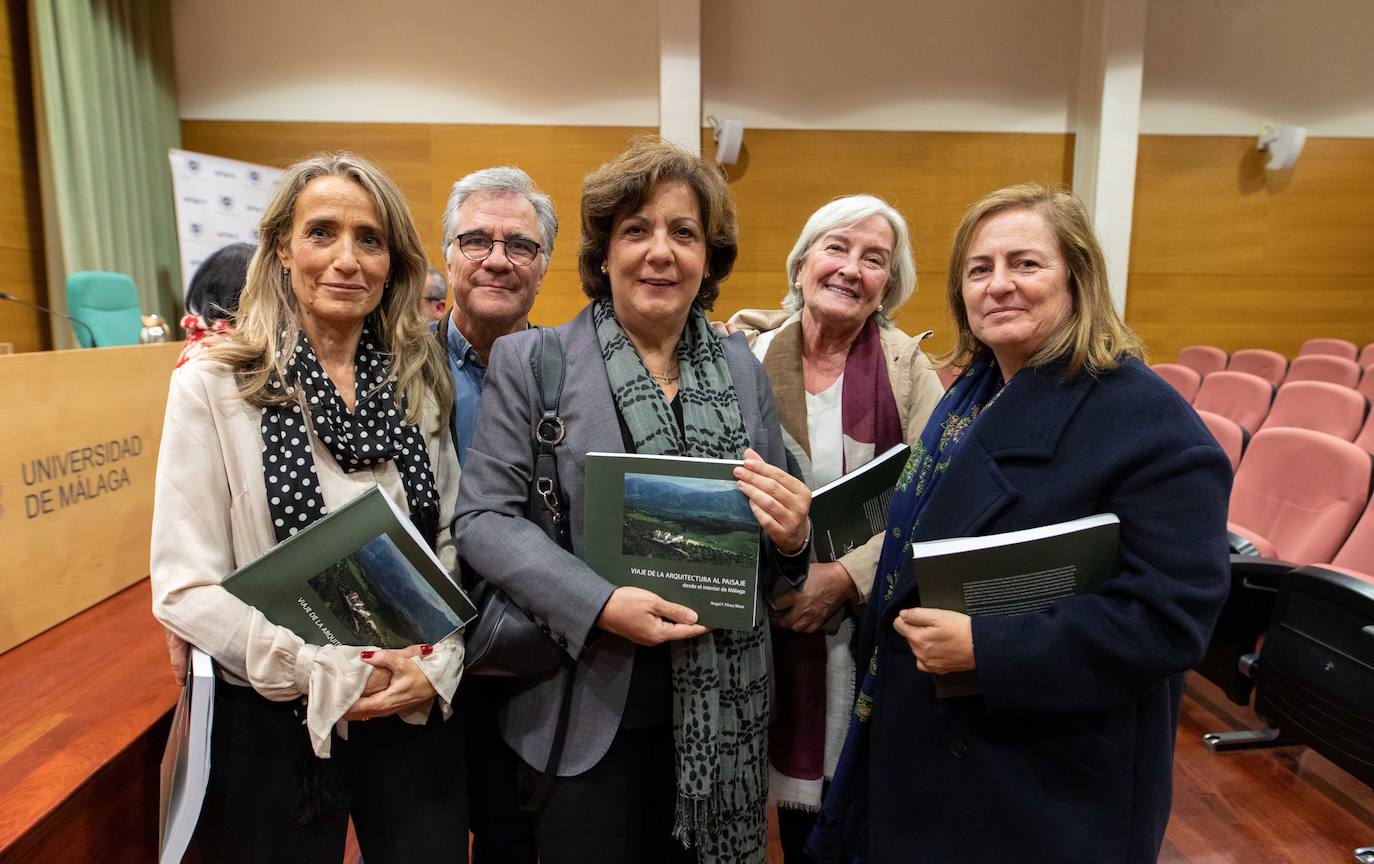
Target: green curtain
(105,97)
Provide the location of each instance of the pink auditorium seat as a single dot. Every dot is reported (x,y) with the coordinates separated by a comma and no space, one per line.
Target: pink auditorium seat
(1335,347)
(1324,367)
(1238,396)
(1185,379)
(1356,556)
(1321,406)
(1203,359)
(1365,440)
(1229,435)
(1298,493)
(1366,356)
(1269,365)
(1366,385)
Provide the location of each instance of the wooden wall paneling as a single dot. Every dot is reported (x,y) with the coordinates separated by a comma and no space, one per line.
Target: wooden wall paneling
(1234,312)
(1195,209)
(1322,223)
(1226,253)
(400,149)
(74,531)
(21,234)
(932,177)
(426,160)
(782,177)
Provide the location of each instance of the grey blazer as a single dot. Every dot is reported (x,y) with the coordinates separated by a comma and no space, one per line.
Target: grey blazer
(563,594)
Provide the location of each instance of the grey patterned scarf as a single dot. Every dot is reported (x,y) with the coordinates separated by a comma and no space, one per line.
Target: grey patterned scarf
(720,680)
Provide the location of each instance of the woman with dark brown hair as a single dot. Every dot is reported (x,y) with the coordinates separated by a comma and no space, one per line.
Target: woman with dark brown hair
(667,733)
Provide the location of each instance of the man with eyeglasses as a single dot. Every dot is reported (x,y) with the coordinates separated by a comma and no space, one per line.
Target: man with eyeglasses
(498,237)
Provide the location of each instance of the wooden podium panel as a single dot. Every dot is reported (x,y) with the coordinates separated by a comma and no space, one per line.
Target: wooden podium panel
(78,451)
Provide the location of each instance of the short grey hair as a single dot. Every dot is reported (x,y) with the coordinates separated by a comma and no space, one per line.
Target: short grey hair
(841,213)
(503,180)
(435,279)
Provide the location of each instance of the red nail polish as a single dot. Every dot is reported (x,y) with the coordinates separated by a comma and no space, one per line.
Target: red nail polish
(368,654)
(426,650)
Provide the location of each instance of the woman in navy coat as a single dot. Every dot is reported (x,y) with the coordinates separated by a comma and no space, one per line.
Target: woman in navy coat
(1066,756)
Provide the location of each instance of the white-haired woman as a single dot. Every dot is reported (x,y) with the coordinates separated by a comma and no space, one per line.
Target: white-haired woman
(849,385)
(330,384)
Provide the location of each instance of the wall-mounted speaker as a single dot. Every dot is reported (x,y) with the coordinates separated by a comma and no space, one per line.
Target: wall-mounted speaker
(1283,142)
(729,135)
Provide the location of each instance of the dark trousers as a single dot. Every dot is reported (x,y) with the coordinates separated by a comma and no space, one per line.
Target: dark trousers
(502,833)
(794,826)
(406,784)
(618,812)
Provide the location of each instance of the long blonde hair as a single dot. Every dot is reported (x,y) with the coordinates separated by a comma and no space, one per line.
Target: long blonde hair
(1093,336)
(256,350)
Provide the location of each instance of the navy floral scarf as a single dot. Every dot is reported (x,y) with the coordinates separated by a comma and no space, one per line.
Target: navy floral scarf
(841,833)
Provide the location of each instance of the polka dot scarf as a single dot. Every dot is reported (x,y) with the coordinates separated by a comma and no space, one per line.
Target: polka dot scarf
(370,435)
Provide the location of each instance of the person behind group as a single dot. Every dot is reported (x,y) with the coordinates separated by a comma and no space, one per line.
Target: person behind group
(667,731)
(499,232)
(434,297)
(213,297)
(849,386)
(328,386)
(1066,755)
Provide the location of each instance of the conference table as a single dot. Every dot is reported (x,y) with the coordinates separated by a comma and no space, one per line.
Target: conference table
(85,688)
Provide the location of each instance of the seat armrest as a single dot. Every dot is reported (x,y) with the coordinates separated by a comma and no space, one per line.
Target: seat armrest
(1245,542)
(1259,574)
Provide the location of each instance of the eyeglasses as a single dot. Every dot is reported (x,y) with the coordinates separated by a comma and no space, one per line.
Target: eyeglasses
(476,246)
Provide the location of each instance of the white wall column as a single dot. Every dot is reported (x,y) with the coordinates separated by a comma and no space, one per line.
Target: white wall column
(1107,126)
(679,72)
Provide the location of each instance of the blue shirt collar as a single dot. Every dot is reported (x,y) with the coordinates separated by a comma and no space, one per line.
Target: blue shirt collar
(460,350)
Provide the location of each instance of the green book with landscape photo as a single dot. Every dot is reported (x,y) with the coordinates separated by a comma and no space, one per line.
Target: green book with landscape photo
(677,527)
(362,575)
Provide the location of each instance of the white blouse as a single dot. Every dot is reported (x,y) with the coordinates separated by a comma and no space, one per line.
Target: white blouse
(210,517)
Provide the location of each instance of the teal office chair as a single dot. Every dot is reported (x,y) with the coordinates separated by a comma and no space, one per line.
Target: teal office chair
(107,303)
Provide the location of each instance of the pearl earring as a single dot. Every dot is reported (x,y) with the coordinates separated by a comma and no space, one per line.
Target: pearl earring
(603,267)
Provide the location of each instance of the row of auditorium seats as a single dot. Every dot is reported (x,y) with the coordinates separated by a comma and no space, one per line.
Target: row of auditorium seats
(1304,395)
(1297,631)
(1273,366)
(1276,371)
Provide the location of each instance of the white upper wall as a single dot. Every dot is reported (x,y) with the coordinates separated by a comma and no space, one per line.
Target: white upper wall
(1211,66)
(418,61)
(984,65)
(1221,67)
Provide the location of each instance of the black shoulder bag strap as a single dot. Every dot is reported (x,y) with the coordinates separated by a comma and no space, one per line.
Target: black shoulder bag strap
(551,515)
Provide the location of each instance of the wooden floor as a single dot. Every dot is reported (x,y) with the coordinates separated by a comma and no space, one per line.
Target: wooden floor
(1273,806)
(1283,806)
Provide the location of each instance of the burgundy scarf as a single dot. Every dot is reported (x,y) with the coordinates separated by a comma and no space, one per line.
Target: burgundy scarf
(871,424)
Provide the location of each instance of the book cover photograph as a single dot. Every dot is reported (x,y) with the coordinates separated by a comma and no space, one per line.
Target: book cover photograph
(376,596)
(677,527)
(847,512)
(362,575)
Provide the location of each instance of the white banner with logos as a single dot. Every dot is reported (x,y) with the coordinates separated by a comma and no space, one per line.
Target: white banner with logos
(218,202)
